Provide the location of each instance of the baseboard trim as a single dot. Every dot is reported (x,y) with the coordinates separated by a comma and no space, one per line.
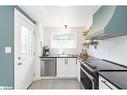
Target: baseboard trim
(29,85)
(56,78)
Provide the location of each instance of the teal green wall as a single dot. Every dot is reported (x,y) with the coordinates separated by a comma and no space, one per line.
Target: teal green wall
(7,40)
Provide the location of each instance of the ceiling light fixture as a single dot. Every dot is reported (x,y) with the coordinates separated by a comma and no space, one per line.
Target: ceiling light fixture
(66,28)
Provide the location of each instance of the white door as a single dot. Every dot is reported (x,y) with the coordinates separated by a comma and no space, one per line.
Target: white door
(23,51)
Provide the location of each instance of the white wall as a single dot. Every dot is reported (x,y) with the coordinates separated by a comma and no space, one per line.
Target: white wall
(47,38)
(113,49)
(43,35)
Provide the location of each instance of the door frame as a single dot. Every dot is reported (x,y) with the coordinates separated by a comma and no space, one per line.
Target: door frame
(19,14)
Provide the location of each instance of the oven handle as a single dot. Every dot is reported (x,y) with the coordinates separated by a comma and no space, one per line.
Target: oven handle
(90,77)
(87,66)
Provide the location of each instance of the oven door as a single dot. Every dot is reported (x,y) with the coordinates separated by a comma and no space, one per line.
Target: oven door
(86,79)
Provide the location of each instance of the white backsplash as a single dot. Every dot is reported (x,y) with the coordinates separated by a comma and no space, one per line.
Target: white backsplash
(113,49)
(66,51)
(47,39)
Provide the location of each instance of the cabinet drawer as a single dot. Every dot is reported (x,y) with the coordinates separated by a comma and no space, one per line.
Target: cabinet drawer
(104,84)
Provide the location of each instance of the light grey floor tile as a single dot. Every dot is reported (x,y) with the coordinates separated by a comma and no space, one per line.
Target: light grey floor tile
(56,84)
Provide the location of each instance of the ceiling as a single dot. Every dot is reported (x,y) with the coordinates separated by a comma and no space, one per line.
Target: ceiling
(57,16)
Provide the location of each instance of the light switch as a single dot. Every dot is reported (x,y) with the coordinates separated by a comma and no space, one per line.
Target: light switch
(7,49)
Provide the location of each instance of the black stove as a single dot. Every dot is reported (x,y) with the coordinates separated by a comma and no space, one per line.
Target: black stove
(90,68)
(89,76)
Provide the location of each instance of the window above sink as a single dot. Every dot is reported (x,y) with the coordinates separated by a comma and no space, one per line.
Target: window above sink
(63,40)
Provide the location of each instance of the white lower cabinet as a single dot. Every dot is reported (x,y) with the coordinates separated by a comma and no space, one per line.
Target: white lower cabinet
(66,67)
(104,84)
(78,70)
(61,67)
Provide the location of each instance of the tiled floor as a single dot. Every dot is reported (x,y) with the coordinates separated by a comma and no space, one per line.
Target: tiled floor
(56,84)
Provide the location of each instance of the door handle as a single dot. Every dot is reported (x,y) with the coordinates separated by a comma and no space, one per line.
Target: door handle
(19,57)
(20,64)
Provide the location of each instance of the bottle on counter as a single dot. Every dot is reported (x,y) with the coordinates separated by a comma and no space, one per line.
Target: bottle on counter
(84,55)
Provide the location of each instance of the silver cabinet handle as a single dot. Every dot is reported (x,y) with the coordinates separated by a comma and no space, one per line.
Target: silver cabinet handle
(20,64)
(66,61)
(106,84)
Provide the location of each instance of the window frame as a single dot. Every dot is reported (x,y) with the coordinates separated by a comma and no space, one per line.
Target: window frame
(75,39)
(29,43)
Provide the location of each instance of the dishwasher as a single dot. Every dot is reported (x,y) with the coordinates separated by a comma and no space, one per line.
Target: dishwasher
(48,67)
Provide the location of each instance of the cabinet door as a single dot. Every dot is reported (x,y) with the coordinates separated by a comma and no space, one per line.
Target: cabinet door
(104,84)
(61,68)
(78,70)
(70,65)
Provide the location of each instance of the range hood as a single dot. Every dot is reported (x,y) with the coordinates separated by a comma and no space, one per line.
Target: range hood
(108,22)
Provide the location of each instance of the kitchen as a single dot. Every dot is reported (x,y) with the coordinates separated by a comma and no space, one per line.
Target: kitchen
(72,47)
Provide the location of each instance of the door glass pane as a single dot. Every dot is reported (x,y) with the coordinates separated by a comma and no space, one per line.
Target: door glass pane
(26,41)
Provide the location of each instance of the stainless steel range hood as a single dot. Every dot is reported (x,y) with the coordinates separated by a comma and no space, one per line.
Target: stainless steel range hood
(108,22)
